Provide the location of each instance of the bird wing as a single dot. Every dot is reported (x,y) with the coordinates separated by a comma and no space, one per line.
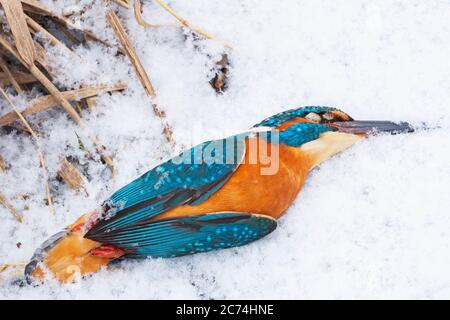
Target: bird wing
(187,235)
(190,178)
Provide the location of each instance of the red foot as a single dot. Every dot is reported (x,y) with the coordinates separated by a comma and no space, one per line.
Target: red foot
(107,251)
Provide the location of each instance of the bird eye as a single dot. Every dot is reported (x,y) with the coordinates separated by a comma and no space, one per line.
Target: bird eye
(313,117)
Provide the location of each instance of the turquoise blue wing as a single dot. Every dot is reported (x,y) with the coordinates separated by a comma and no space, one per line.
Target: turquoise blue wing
(188,235)
(189,178)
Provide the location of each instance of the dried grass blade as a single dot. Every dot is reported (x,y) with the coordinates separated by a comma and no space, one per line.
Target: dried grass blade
(55,93)
(91,103)
(2,164)
(10,49)
(131,52)
(20,77)
(45,102)
(9,75)
(107,159)
(138,14)
(71,176)
(122,3)
(187,24)
(11,209)
(38,28)
(37,8)
(6,266)
(142,74)
(13,51)
(19,28)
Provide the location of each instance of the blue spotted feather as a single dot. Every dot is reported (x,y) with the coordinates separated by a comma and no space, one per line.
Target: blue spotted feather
(188,235)
(301,133)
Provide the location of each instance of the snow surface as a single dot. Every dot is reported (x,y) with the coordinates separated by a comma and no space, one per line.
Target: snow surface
(373,222)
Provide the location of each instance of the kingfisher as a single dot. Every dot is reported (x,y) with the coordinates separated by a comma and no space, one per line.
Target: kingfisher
(219,194)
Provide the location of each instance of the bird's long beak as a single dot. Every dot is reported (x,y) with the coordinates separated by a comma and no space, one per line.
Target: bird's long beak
(41,253)
(372,127)
(346,134)
(68,254)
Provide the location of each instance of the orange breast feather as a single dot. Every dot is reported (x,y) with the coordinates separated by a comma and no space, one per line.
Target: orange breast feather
(249,191)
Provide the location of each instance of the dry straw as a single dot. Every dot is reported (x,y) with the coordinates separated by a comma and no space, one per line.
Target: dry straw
(71,176)
(2,164)
(9,76)
(138,14)
(46,102)
(13,267)
(11,209)
(131,52)
(127,46)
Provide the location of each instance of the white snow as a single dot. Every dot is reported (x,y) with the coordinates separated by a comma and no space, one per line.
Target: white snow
(373,222)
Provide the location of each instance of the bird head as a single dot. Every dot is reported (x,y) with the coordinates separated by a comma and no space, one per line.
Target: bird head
(68,254)
(320,132)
